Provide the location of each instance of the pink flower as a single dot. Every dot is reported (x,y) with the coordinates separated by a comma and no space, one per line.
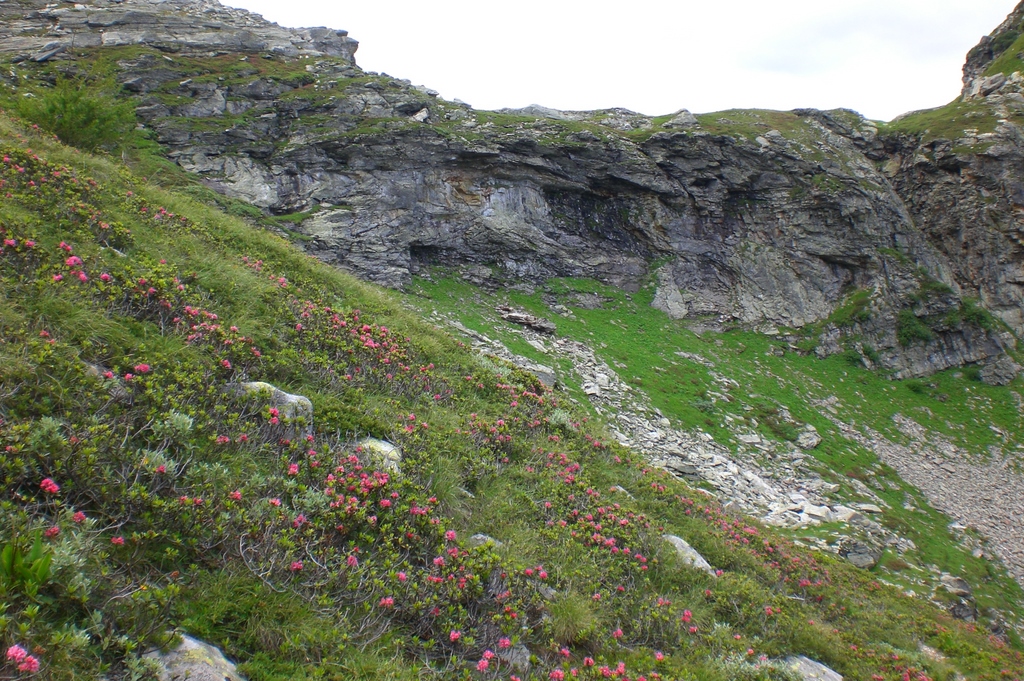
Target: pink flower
(275,502)
(454,636)
(296,566)
(299,521)
(104,277)
(161,469)
(78,517)
(352,561)
(52,532)
(450,535)
(482,665)
(117,541)
(30,664)
(659,656)
(223,439)
(504,642)
(236,495)
(73,261)
(617,634)
(293,469)
(16,653)
(588,662)
(488,655)
(58,277)
(387,602)
(49,486)
(556,675)
(82,276)
(142,368)
(402,576)
(225,363)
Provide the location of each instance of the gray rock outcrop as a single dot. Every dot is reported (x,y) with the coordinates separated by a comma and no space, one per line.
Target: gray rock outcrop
(294,411)
(860,554)
(775,221)
(382,453)
(688,555)
(809,670)
(194,660)
(44,30)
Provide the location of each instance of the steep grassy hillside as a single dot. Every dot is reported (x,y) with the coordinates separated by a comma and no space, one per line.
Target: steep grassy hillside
(144,492)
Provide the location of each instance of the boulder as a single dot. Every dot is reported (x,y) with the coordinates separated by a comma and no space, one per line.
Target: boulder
(682,119)
(116,389)
(517,657)
(809,670)
(482,540)
(194,660)
(295,411)
(384,454)
(956,586)
(526,319)
(808,438)
(859,554)
(964,610)
(688,555)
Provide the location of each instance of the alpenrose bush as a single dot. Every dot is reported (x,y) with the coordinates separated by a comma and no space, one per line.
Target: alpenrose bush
(145,474)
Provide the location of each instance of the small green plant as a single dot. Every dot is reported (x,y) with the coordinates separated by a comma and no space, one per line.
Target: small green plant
(572,618)
(81,114)
(910,329)
(23,570)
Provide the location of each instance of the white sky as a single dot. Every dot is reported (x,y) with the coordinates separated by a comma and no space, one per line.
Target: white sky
(879,57)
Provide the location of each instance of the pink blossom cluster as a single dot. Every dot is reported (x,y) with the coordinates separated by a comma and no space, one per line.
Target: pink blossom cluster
(26,663)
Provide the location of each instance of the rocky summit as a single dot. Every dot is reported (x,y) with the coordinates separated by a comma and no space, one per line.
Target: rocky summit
(307,372)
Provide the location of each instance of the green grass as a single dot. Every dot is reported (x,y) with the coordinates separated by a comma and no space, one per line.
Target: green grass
(949,122)
(640,343)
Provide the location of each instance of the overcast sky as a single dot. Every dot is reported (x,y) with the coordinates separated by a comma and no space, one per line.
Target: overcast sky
(879,57)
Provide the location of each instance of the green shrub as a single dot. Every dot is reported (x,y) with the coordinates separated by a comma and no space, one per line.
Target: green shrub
(910,329)
(1004,40)
(82,115)
(572,618)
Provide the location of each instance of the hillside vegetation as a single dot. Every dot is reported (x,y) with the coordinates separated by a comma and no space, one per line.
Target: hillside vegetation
(145,492)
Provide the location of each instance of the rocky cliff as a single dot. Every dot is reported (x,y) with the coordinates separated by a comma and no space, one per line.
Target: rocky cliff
(877,238)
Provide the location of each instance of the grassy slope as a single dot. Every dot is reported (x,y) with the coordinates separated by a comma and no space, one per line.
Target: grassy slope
(950,403)
(165,542)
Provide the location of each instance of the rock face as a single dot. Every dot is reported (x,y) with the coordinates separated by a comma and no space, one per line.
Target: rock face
(775,219)
(990,47)
(194,660)
(44,30)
